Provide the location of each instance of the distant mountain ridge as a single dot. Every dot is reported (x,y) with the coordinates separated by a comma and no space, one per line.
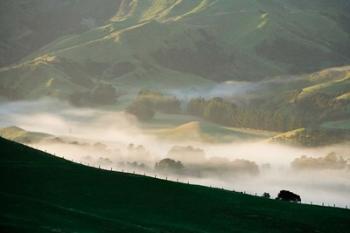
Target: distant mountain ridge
(176,43)
(27,25)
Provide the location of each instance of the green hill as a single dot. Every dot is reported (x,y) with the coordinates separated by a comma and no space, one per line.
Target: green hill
(200,130)
(43,193)
(27,25)
(177,43)
(314,99)
(22,136)
(313,137)
(334,82)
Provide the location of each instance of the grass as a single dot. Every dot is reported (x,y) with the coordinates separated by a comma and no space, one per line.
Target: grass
(328,134)
(185,127)
(336,86)
(342,124)
(163,120)
(345,96)
(43,193)
(144,28)
(20,135)
(141,30)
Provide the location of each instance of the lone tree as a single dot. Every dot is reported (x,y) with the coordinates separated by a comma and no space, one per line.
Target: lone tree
(285,195)
(142,110)
(266,195)
(169,165)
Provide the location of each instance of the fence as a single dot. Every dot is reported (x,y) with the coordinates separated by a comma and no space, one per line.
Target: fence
(187,181)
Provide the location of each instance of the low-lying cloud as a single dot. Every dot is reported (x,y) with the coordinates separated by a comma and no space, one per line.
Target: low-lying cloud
(114,139)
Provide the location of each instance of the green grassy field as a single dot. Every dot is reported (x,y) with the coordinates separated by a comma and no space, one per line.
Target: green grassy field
(20,135)
(184,128)
(343,124)
(177,43)
(43,193)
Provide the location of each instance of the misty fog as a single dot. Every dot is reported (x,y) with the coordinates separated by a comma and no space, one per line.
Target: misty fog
(237,91)
(114,139)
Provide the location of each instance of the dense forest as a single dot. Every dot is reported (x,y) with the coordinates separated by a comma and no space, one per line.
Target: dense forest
(299,113)
(217,110)
(226,113)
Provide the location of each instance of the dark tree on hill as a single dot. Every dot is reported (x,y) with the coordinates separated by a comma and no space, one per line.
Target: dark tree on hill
(285,195)
(219,111)
(224,112)
(170,165)
(160,102)
(142,110)
(196,107)
(104,94)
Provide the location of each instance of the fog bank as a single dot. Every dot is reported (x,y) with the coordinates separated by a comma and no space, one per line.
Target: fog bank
(114,139)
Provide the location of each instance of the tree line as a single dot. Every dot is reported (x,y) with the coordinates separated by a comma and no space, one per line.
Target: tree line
(226,113)
(148,102)
(217,110)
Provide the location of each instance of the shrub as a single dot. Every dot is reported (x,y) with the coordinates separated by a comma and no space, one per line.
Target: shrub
(142,110)
(285,195)
(170,165)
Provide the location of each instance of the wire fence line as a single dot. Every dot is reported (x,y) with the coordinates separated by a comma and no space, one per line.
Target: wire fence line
(186,181)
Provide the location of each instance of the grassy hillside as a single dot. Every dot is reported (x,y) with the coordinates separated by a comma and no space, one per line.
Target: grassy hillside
(315,98)
(181,127)
(187,128)
(43,193)
(176,43)
(334,82)
(27,25)
(20,135)
(313,137)
(342,124)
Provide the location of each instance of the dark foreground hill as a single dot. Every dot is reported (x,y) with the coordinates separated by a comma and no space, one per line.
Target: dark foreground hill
(42,193)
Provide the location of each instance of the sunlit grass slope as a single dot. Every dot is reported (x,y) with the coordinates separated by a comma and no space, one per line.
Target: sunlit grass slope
(333,81)
(43,193)
(331,133)
(186,128)
(179,43)
(342,124)
(20,135)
